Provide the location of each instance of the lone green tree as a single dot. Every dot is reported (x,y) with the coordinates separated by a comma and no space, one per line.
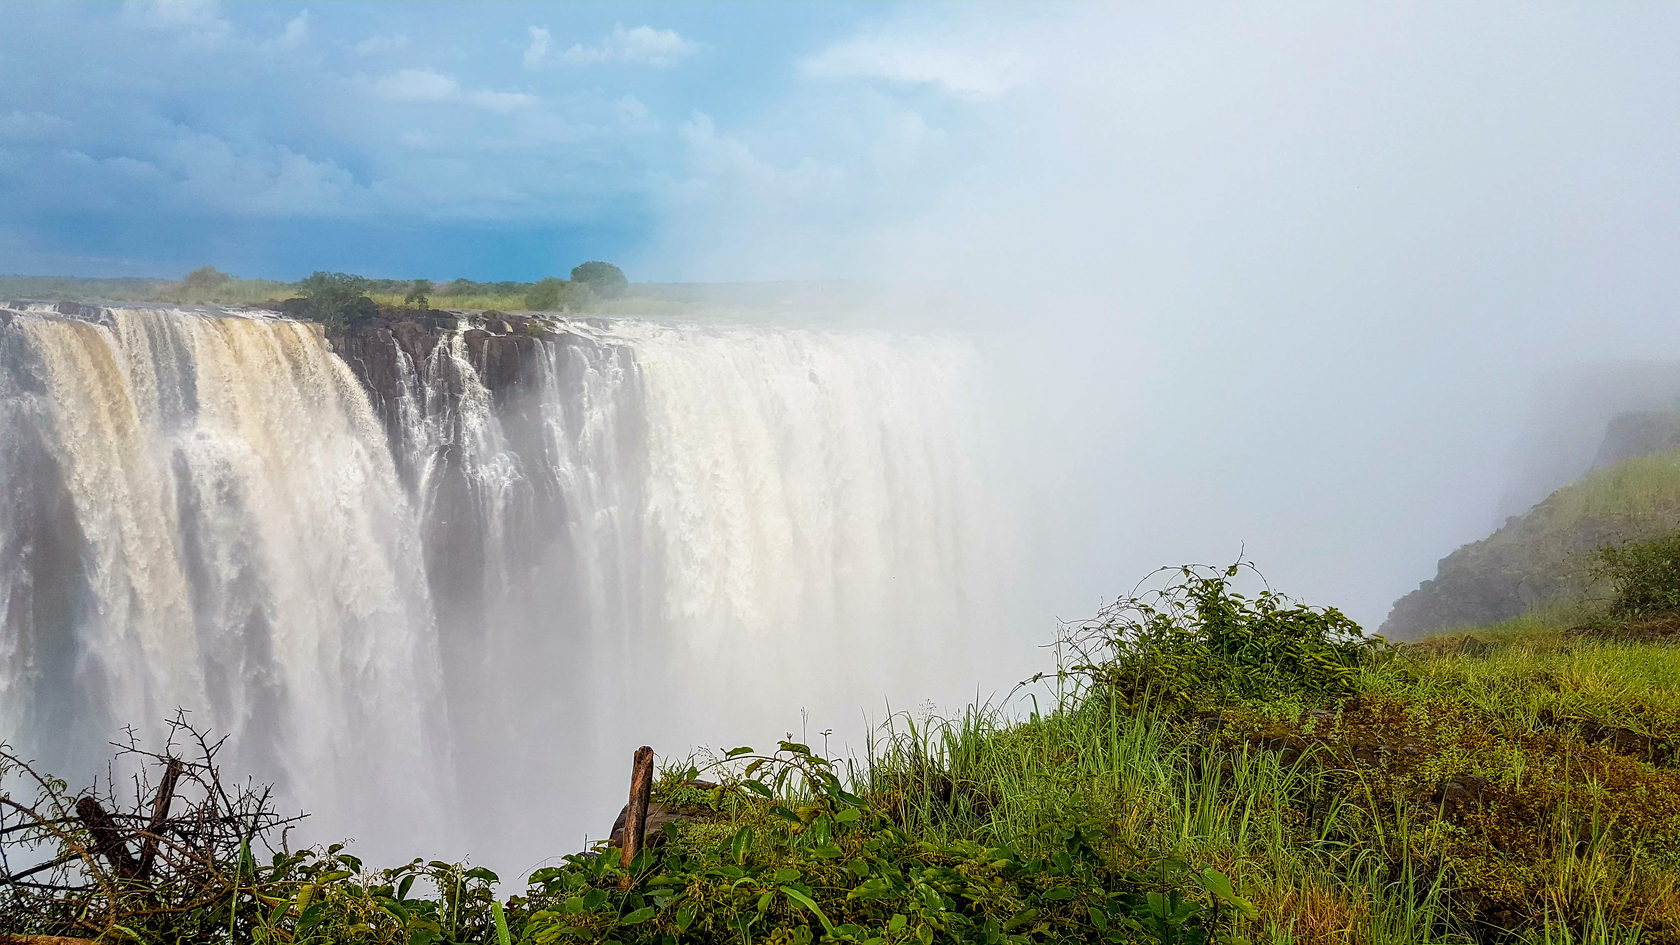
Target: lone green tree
(337,299)
(205,279)
(419,295)
(602,278)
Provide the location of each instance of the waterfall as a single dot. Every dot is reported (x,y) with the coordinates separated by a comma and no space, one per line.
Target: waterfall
(199,512)
(431,603)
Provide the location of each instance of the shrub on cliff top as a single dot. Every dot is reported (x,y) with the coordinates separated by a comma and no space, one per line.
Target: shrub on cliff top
(419,294)
(550,294)
(1197,642)
(338,299)
(205,279)
(1645,576)
(602,278)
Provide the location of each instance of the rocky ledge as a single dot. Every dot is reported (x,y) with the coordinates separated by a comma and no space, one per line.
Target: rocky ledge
(503,349)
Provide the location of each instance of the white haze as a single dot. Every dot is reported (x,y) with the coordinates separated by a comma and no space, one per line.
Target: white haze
(1283,278)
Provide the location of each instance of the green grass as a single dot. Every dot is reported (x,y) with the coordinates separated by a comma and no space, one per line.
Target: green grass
(232,292)
(1330,813)
(1520,788)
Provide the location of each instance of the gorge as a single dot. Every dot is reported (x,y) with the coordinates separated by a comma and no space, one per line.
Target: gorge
(440,571)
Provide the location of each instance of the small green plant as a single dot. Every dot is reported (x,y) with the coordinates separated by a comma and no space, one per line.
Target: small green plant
(1644,577)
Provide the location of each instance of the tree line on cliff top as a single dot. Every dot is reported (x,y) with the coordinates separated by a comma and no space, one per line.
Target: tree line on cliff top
(338,299)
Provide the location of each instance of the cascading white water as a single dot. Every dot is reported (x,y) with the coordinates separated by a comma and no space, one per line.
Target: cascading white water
(677,535)
(200,513)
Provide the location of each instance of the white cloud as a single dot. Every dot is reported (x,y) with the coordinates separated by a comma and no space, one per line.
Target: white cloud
(19,125)
(179,167)
(971,73)
(260,179)
(499,102)
(427,86)
(641,45)
(723,165)
(631,111)
(538,50)
(198,20)
(297,30)
(380,45)
(417,85)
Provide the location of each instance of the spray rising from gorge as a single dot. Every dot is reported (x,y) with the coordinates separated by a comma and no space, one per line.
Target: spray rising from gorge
(444,550)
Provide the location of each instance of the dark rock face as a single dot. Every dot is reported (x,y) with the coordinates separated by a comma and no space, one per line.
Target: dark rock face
(1638,433)
(396,347)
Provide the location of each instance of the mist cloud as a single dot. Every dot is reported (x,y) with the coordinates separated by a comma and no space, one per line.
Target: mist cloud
(1278,277)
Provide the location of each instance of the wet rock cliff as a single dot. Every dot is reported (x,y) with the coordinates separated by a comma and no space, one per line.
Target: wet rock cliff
(396,357)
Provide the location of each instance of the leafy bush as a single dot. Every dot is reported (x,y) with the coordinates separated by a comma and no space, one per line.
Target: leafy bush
(1645,576)
(549,294)
(338,299)
(602,278)
(205,279)
(1197,641)
(809,860)
(419,294)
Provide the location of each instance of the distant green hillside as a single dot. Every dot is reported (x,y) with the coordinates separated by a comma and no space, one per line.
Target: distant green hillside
(1543,558)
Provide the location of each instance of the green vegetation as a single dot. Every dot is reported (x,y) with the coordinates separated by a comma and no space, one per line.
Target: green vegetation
(1644,576)
(600,283)
(553,294)
(1204,766)
(548,295)
(419,294)
(338,299)
(603,278)
(205,279)
(1548,557)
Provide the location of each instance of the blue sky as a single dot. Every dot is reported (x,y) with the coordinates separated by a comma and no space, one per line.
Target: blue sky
(489,140)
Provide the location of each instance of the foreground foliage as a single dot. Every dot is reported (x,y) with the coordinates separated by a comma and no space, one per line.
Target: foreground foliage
(1206,766)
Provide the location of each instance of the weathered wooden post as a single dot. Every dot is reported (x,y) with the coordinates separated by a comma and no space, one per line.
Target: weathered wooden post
(635,815)
(107,838)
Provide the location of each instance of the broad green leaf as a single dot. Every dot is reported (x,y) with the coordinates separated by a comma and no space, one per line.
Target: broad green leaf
(806,901)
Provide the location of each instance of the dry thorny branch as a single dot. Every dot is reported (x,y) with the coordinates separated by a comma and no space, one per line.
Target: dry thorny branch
(88,862)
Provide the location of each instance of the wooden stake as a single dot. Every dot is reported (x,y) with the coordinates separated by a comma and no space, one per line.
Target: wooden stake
(160,816)
(635,816)
(107,839)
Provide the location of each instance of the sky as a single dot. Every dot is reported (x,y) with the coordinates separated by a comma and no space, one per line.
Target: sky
(1280,277)
(496,141)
